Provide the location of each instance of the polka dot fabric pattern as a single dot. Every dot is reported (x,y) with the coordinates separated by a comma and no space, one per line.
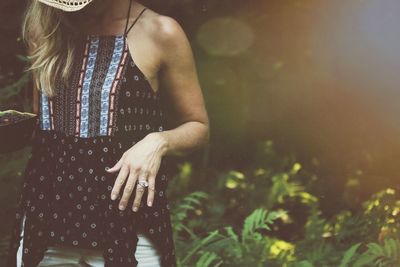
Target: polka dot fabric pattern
(65,193)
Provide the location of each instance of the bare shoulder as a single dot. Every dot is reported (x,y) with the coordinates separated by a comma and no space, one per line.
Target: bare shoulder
(169,29)
(159,42)
(164,30)
(171,42)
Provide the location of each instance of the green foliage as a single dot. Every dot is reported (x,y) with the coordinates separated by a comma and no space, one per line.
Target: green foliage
(259,219)
(349,254)
(181,212)
(261,203)
(14,90)
(386,254)
(249,247)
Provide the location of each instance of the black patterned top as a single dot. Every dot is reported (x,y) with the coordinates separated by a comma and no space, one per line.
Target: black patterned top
(82,131)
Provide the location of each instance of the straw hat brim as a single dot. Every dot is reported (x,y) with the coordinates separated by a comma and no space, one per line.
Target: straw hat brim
(67,5)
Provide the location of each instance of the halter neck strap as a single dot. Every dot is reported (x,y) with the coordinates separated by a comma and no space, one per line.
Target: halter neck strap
(126,31)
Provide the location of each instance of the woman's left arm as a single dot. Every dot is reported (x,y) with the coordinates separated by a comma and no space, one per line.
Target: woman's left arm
(179,79)
(178,76)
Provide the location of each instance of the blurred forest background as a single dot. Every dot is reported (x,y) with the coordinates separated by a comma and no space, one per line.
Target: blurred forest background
(302,168)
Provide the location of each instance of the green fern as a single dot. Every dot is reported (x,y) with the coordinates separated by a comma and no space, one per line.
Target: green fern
(259,219)
(386,255)
(319,253)
(200,245)
(181,211)
(349,254)
(209,259)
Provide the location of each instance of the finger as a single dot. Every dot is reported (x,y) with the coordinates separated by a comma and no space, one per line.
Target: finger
(139,192)
(119,182)
(130,184)
(118,165)
(151,189)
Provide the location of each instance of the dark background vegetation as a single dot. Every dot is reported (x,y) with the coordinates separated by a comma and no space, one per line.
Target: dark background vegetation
(317,78)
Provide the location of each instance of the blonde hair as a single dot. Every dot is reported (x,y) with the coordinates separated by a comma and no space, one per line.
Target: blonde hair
(45,32)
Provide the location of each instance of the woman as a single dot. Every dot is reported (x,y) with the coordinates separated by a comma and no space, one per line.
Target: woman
(93,191)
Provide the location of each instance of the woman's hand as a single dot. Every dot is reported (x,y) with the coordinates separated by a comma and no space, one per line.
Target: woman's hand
(139,163)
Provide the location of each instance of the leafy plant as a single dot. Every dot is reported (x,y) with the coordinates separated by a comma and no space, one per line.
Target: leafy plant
(261,203)
(210,249)
(382,255)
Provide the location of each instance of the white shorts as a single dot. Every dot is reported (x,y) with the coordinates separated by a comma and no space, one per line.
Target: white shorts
(146,255)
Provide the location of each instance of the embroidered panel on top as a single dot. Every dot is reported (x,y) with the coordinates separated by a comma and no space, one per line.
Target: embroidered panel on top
(45,123)
(86,108)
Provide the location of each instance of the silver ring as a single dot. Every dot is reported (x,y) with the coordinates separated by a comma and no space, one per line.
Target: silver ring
(143,183)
